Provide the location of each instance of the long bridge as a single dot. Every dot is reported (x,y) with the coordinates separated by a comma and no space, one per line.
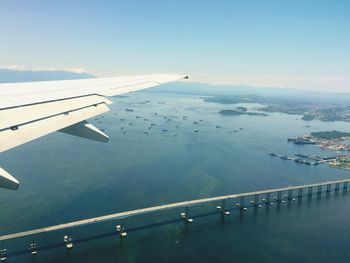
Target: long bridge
(289,194)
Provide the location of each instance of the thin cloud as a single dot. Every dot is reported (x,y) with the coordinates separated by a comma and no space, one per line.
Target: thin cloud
(331,83)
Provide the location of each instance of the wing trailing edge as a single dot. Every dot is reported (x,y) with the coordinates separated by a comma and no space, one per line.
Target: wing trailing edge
(86,130)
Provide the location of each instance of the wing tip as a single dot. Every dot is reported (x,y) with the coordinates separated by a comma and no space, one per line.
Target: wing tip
(8,181)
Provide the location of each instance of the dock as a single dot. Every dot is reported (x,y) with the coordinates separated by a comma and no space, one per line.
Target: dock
(304,158)
(186,204)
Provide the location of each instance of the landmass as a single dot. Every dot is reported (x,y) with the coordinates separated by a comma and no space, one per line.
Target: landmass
(309,109)
(330,140)
(307,117)
(331,135)
(21,75)
(241,108)
(342,162)
(236,112)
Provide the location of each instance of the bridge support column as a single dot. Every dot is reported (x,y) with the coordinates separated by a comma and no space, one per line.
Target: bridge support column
(3,254)
(121,230)
(279,196)
(300,193)
(68,242)
(336,188)
(223,208)
(223,203)
(309,192)
(33,248)
(268,198)
(186,215)
(256,200)
(328,188)
(290,194)
(242,202)
(345,186)
(319,190)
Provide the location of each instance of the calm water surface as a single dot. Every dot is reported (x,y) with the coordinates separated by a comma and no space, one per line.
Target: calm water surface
(65,178)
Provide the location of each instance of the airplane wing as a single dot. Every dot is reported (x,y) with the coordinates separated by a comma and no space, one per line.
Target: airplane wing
(30,110)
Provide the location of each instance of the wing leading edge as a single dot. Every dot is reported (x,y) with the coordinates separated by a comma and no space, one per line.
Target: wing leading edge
(33,109)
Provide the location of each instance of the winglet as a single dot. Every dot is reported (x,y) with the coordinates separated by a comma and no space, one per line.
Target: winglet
(86,130)
(8,181)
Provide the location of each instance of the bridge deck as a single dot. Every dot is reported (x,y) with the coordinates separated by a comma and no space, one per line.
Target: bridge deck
(160,207)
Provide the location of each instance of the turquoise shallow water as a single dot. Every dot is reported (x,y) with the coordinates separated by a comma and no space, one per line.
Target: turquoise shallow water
(65,178)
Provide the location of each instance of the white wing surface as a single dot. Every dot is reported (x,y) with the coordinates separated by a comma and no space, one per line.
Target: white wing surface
(33,109)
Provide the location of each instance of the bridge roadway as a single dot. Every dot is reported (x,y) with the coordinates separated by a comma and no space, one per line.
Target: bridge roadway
(163,207)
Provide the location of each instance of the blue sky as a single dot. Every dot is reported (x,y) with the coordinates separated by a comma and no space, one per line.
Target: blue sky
(303,44)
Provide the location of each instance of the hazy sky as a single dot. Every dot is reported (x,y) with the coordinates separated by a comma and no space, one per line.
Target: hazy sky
(294,43)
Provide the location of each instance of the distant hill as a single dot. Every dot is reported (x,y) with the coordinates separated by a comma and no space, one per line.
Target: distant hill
(187,88)
(330,135)
(193,88)
(14,75)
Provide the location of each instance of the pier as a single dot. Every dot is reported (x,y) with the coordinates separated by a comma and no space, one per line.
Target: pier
(305,158)
(256,195)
